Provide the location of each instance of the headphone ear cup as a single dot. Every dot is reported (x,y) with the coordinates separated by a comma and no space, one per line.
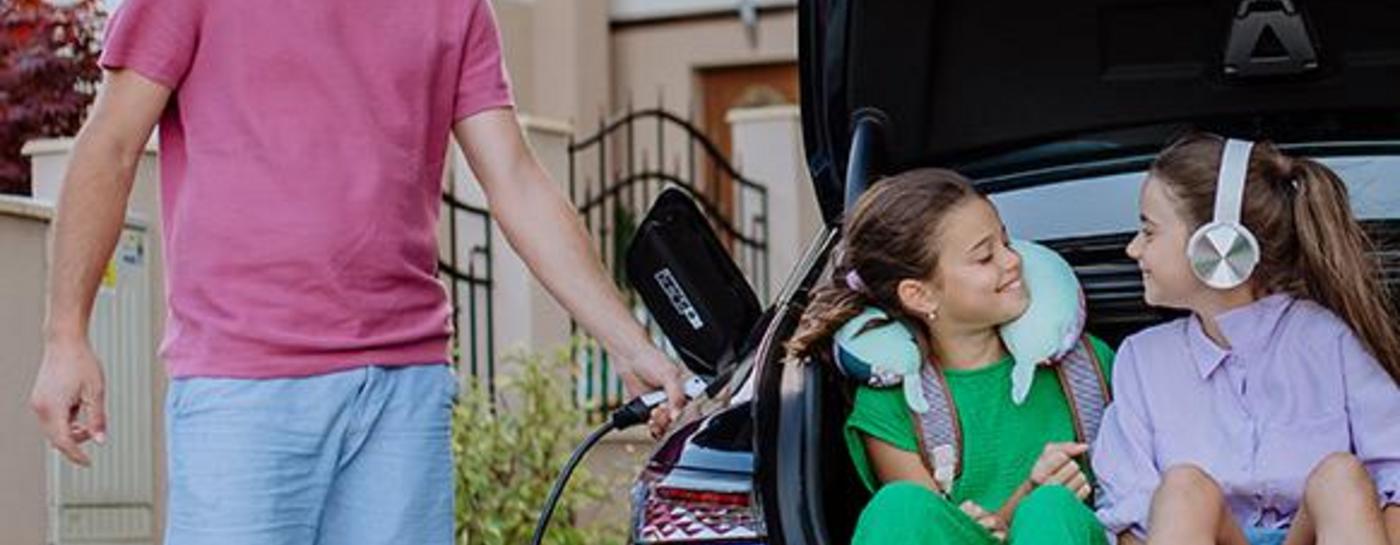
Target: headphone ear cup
(1223,255)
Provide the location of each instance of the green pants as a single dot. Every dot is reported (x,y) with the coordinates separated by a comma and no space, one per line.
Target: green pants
(908,513)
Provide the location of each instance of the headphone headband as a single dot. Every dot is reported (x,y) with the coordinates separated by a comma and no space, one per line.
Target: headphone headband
(1229,188)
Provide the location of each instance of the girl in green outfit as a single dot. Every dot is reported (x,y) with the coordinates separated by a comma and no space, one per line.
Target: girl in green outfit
(932,253)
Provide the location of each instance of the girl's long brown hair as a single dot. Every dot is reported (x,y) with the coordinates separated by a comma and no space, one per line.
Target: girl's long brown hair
(1311,245)
(889,236)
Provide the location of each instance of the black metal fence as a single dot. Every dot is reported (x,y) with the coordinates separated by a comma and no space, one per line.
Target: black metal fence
(466,269)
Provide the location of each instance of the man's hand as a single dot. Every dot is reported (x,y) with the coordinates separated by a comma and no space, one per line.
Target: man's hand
(1057,466)
(69,398)
(650,372)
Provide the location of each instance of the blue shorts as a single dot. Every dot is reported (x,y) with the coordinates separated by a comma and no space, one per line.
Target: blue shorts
(357,457)
(1265,536)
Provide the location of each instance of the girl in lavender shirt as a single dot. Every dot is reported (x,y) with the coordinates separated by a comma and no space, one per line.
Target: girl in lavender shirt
(1272,413)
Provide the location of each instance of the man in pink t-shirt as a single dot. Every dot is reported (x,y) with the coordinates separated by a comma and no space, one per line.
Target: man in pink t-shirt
(302,148)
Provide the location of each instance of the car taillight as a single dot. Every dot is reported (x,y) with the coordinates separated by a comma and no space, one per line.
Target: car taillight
(676,508)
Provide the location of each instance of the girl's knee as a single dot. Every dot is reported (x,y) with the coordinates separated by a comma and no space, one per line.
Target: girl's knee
(905,496)
(1339,465)
(1049,500)
(1338,470)
(1189,478)
(906,512)
(1051,495)
(1053,507)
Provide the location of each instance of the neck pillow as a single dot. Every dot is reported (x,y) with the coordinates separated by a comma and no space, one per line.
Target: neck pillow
(880,352)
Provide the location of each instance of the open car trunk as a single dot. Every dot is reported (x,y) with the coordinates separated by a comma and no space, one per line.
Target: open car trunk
(997,87)
(1024,95)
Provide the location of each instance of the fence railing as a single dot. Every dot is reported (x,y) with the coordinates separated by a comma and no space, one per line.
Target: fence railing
(466,269)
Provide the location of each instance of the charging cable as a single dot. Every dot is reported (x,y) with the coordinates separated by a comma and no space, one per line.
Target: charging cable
(636,411)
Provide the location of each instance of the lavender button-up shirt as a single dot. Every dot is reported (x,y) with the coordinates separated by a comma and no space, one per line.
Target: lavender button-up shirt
(1296,385)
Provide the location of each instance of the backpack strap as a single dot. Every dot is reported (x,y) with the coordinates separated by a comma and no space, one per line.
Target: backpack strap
(940,433)
(938,429)
(1085,388)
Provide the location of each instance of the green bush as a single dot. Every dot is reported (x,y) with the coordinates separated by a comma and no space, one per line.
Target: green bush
(508,457)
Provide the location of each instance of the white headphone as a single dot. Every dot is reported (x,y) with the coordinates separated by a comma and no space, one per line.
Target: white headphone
(1223,253)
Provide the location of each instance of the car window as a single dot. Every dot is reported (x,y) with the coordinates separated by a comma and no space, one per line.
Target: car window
(1108,204)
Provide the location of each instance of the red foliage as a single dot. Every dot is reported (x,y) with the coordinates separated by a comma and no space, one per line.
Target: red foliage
(48,76)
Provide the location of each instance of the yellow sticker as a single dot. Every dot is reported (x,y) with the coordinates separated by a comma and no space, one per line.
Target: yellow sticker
(109,277)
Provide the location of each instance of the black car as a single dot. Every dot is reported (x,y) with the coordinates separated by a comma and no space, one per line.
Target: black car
(1055,109)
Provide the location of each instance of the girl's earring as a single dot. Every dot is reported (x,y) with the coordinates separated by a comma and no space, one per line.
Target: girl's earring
(932,316)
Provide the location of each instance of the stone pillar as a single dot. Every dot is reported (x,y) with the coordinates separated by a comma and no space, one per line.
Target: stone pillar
(768,149)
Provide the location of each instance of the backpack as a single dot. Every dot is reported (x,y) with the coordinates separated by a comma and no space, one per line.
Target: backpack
(940,434)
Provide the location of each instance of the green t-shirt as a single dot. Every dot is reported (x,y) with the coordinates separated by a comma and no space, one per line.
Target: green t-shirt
(1001,440)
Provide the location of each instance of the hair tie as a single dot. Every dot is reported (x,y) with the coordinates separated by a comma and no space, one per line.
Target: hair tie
(1293,171)
(854,282)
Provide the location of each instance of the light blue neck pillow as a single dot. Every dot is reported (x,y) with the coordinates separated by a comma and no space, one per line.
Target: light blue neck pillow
(876,351)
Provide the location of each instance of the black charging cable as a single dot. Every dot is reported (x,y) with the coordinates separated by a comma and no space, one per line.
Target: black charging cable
(636,411)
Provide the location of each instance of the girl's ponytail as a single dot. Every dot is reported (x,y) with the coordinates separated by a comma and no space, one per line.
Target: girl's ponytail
(1336,264)
(832,306)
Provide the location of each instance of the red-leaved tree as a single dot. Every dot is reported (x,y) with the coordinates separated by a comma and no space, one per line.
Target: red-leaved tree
(48,76)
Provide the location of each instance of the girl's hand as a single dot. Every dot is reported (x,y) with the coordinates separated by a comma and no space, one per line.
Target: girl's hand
(1057,466)
(989,521)
(993,523)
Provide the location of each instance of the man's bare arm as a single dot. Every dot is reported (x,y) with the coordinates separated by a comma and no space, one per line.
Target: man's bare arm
(89,218)
(545,230)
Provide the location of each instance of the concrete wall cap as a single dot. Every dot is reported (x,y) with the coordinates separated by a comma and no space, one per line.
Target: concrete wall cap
(763,113)
(49,146)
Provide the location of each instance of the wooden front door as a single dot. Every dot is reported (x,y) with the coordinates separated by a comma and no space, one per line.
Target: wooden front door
(725,88)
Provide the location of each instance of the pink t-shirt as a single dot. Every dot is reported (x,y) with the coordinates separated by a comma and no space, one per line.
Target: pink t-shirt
(301,168)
